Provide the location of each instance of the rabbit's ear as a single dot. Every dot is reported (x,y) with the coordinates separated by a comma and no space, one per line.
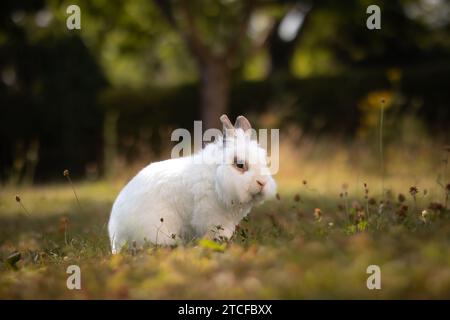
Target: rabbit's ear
(242,123)
(228,128)
(226,122)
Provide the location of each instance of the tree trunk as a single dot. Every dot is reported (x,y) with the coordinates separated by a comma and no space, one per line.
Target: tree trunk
(215,87)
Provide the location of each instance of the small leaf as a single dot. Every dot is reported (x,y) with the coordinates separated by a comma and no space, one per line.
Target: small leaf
(362,225)
(13,259)
(209,244)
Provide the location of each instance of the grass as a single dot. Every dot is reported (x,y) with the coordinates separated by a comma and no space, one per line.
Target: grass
(315,241)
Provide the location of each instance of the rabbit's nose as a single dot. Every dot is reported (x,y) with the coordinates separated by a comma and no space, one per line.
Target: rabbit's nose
(261,183)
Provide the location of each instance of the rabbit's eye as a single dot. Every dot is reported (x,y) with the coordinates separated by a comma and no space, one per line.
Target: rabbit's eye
(240,165)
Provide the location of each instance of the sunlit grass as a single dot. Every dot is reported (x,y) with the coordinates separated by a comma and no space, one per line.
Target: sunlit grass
(315,241)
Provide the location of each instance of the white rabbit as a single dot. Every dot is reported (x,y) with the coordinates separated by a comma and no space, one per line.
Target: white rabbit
(203,195)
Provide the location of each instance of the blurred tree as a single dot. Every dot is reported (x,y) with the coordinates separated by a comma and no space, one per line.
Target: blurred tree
(137,48)
(49,117)
(153,53)
(213,31)
(337,39)
(217,35)
(133,44)
(285,36)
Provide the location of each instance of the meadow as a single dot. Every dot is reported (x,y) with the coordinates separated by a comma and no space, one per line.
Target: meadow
(328,223)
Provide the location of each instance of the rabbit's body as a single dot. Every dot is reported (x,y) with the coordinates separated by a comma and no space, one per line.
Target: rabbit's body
(184,198)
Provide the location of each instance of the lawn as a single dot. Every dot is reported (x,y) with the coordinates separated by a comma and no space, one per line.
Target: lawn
(315,240)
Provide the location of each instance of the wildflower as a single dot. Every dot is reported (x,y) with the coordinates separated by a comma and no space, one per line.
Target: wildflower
(401,198)
(63,224)
(436,206)
(413,191)
(425,215)
(297,198)
(372,201)
(67,175)
(402,211)
(381,207)
(317,213)
(19,201)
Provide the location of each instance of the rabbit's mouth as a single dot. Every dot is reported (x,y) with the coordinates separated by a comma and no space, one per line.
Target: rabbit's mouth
(258,196)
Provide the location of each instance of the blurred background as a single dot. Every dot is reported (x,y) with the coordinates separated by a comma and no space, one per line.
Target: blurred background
(106,97)
(364,143)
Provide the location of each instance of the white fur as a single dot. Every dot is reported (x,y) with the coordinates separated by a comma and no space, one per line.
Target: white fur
(192,195)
